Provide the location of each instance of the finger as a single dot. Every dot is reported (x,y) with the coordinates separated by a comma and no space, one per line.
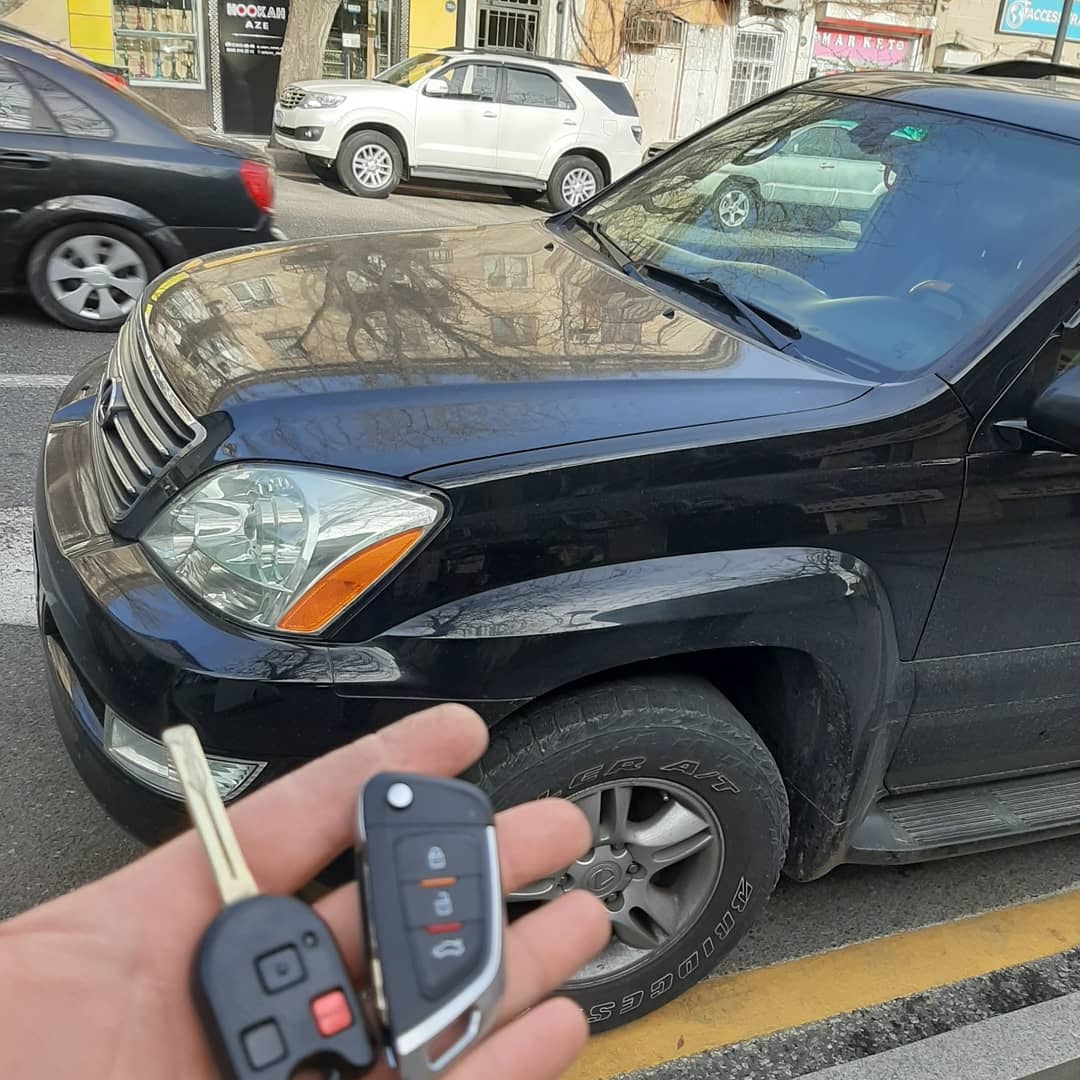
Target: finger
(292,828)
(541,1045)
(546,947)
(534,840)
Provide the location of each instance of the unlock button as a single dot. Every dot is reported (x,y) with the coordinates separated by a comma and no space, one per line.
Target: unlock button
(442,900)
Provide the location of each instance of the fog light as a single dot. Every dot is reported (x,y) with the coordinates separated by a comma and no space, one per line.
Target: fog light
(309,133)
(146,759)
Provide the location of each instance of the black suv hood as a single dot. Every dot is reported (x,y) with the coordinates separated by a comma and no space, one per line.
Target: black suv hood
(397,352)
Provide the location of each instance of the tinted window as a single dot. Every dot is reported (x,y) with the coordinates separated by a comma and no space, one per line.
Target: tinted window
(71,113)
(883,270)
(816,142)
(613,94)
(16,104)
(472,81)
(527,86)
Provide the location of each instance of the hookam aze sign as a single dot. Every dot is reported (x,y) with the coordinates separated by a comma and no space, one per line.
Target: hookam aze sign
(256,11)
(1036,19)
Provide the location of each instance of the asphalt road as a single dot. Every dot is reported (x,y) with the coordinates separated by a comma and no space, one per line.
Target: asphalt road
(53,836)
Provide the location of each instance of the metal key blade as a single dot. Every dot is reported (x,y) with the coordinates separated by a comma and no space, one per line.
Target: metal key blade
(208,815)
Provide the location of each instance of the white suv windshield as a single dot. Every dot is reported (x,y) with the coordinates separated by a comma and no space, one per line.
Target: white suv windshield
(413,69)
(878,235)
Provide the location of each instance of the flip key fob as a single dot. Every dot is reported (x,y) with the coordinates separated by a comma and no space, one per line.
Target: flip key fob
(432,901)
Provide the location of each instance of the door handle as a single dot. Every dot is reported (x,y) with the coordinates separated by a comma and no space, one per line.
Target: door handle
(489,113)
(826,165)
(19,159)
(570,123)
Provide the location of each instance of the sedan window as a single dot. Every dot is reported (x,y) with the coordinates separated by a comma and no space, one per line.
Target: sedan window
(879,237)
(17,106)
(73,115)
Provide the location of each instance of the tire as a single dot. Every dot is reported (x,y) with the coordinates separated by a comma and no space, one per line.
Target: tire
(574,179)
(379,163)
(324,170)
(735,206)
(524,196)
(663,738)
(109,267)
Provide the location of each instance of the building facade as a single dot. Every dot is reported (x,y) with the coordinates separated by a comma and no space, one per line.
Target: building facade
(978,31)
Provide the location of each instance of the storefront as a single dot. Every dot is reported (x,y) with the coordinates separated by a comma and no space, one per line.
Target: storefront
(851,46)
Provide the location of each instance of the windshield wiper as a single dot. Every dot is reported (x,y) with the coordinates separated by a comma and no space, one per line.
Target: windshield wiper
(713,290)
(612,250)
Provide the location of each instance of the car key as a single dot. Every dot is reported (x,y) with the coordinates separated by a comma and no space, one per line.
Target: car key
(268,980)
(432,901)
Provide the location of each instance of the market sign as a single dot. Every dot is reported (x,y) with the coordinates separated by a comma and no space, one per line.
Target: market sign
(853,50)
(1036,20)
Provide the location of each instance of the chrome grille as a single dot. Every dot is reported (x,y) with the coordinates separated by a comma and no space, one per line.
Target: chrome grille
(140,424)
(291,96)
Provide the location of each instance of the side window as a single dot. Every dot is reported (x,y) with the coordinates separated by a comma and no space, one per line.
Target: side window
(528,86)
(73,115)
(477,81)
(814,142)
(17,105)
(848,149)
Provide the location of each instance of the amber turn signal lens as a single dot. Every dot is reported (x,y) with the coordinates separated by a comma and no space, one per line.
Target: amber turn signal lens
(331,594)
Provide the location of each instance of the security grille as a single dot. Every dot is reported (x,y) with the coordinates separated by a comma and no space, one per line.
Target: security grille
(508,24)
(753,73)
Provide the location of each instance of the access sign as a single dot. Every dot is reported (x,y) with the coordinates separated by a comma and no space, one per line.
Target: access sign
(1036,18)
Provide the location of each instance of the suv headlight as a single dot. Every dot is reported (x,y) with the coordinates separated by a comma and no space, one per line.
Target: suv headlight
(314,100)
(286,547)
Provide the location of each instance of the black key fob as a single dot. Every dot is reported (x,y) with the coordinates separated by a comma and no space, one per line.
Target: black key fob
(273,993)
(433,908)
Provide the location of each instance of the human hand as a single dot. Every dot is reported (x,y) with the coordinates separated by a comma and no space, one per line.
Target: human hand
(96,983)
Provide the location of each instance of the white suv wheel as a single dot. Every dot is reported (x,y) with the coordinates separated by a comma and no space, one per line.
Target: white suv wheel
(577,186)
(372,166)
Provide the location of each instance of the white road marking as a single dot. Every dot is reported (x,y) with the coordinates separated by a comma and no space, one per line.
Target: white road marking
(18,599)
(34,382)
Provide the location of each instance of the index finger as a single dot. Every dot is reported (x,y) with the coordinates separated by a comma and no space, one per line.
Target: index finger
(289,830)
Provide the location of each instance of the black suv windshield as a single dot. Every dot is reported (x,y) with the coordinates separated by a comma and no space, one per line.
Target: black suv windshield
(885,235)
(413,69)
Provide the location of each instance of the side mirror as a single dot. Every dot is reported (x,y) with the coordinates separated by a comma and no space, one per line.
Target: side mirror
(436,88)
(1054,416)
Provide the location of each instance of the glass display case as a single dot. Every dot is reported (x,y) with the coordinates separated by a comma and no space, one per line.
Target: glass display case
(159,42)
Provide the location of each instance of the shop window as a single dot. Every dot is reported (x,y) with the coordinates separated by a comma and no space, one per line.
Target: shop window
(255,293)
(508,24)
(508,271)
(159,42)
(754,72)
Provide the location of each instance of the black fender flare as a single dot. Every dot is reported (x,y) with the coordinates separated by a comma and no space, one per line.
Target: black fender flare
(533,638)
(55,213)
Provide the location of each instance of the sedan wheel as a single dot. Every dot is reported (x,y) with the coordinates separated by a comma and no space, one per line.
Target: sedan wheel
(90,276)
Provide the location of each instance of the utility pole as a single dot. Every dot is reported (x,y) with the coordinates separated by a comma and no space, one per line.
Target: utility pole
(1062,30)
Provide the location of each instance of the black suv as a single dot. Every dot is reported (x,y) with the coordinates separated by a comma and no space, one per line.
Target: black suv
(759,544)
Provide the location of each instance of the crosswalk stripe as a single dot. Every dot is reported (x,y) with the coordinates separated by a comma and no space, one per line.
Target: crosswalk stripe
(34,382)
(18,602)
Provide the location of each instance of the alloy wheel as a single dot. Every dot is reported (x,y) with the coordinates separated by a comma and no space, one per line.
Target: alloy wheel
(733,207)
(577,186)
(658,852)
(95,277)
(372,166)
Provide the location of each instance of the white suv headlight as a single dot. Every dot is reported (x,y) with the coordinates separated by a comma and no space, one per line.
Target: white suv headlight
(286,547)
(314,100)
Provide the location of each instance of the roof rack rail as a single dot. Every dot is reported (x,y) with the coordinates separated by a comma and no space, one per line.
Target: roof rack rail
(1023,69)
(523,54)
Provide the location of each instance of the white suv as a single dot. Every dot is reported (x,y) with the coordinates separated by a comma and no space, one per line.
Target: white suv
(527,124)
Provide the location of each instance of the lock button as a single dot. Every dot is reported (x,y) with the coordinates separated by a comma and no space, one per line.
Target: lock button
(447,900)
(435,856)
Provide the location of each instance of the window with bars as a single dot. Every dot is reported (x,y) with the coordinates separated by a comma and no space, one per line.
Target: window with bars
(753,73)
(508,24)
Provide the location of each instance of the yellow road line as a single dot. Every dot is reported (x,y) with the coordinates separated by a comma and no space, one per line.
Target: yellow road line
(747,1005)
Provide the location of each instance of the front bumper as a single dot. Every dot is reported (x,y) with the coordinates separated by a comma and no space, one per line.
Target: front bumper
(117,634)
(287,122)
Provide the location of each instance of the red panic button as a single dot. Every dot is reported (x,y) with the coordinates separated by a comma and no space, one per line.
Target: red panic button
(331,1013)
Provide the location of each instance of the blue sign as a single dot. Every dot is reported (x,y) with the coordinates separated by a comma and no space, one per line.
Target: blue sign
(1037,18)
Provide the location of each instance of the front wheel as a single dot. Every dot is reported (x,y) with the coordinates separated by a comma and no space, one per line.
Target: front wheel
(574,179)
(369,164)
(689,819)
(735,207)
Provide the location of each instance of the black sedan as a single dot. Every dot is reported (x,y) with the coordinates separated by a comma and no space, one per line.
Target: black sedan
(100,191)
